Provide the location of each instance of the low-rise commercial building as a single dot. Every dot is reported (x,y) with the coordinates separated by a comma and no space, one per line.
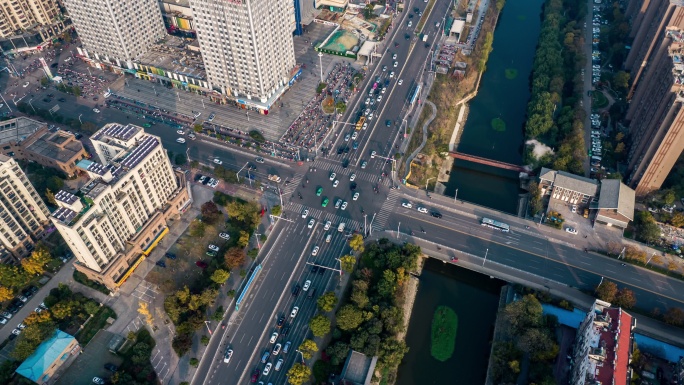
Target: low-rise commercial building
(615,204)
(566,187)
(119,217)
(603,347)
(28,139)
(50,356)
(23,215)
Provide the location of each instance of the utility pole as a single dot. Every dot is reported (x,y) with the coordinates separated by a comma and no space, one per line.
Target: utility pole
(485,258)
(320,62)
(370,227)
(256,235)
(365,232)
(398,229)
(455,195)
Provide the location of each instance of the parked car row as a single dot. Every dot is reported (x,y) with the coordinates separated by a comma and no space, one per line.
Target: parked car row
(205,180)
(596,39)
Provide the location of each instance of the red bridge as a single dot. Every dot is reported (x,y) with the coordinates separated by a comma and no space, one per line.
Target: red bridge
(488,162)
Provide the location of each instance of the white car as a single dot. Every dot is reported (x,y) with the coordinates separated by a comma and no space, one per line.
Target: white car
(394,57)
(213,248)
(25,84)
(95,110)
(365,125)
(406,205)
(355,135)
(327,225)
(379,98)
(306,286)
(336,182)
(218,161)
(314,252)
(180,132)
(267,369)
(305,213)
(422,210)
(364,164)
(338,203)
(180,140)
(574,209)
(294,312)
(16,332)
(396,63)
(226,358)
(356,196)
(401,81)
(260,160)
(276,349)
(332,176)
(224,236)
(346,138)
(352,177)
(391,74)
(311,223)
(373,154)
(344,205)
(384,89)
(274,337)
(570,230)
(368,100)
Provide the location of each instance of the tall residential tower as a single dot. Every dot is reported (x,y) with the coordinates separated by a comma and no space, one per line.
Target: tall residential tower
(114,30)
(247,46)
(23,215)
(24,14)
(120,215)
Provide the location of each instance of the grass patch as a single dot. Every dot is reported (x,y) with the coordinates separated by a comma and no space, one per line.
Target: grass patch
(443,336)
(96,323)
(83,280)
(599,100)
(498,125)
(511,73)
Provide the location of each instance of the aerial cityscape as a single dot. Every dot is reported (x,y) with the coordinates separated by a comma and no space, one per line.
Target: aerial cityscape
(343,192)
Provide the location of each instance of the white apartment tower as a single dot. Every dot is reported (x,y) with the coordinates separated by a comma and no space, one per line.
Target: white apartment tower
(24,14)
(246,45)
(23,215)
(117,218)
(116,29)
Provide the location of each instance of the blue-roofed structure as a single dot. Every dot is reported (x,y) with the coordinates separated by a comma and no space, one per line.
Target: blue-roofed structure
(49,357)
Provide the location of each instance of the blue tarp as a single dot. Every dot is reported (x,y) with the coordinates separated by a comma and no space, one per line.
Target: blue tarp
(658,348)
(565,317)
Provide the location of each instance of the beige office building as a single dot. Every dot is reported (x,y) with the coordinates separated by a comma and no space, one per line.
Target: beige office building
(247,47)
(23,215)
(121,214)
(18,15)
(116,31)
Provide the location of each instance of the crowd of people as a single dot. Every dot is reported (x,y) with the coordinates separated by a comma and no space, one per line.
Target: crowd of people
(312,125)
(91,86)
(149,112)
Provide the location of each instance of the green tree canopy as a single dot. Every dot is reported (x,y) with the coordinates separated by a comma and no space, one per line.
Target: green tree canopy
(327,301)
(298,374)
(349,317)
(319,325)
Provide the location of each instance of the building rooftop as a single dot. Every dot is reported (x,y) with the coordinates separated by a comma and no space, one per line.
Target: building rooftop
(45,356)
(60,145)
(569,181)
(615,195)
(358,369)
(18,129)
(141,151)
(175,54)
(64,215)
(616,340)
(116,131)
(66,197)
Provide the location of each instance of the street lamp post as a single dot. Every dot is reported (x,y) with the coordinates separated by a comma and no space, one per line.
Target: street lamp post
(30,104)
(320,63)
(370,227)
(398,229)
(206,323)
(485,258)
(365,232)
(455,195)
(79,118)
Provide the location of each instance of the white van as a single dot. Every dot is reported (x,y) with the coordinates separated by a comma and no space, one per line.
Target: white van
(596,158)
(328,238)
(340,228)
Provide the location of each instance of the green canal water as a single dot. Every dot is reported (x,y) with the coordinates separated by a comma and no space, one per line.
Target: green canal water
(496,118)
(474,298)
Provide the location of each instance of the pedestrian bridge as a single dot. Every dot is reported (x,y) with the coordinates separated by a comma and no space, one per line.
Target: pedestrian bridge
(489,162)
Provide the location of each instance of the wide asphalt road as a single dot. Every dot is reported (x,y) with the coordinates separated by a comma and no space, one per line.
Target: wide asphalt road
(284,260)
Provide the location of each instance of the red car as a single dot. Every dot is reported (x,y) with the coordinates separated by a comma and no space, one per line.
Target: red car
(255,375)
(201,264)
(454,259)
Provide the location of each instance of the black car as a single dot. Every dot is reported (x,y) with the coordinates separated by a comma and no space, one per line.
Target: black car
(296,290)
(284,331)
(61,100)
(46,100)
(321,271)
(170,255)
(352,186)
(161,263)
(50,95)
(314,268)
(33,289)
(436,214)
(111,367)
(340,150)
(407,36)
(13,309)
(345,163)
(281,321)
(388,123)
(346,150)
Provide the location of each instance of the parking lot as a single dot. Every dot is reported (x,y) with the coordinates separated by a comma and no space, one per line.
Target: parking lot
(90,363)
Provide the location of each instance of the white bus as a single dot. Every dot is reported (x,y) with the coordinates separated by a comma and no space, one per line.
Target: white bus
(496,225)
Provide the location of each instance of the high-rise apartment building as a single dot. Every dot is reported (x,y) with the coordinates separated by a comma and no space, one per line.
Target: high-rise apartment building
(121,214)
(23,215)
(655,115)
(246,46)
(114,30)
(17,15)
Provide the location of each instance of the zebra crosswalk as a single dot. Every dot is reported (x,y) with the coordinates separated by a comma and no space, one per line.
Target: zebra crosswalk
(387,208)
(322,216)
(361,175)
(292,184)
